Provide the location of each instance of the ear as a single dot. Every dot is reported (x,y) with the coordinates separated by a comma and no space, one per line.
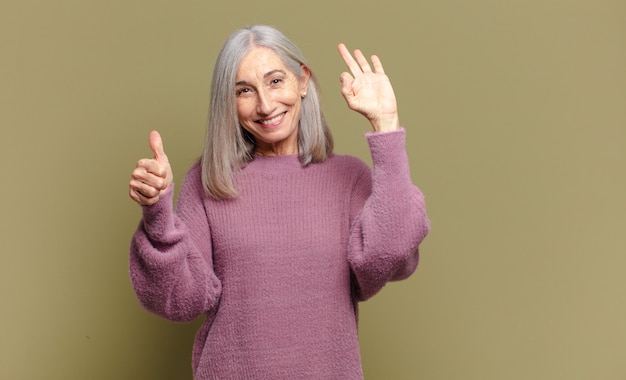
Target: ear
(304,80)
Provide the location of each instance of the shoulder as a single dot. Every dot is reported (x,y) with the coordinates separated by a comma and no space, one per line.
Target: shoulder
(193,178)
(347,167)
(346,162)
(195,170)
(194,173)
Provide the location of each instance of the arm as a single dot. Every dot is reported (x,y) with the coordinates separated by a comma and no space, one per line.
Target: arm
(171,264)
(390,218)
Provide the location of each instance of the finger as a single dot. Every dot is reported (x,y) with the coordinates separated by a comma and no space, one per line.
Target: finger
(149,166)
(134,195)
(146,184)
(156,182)
(378,65)
(144,189)
(348,59)
(142,178)
(156,145)
(140,198)
(346,83)
(360,58)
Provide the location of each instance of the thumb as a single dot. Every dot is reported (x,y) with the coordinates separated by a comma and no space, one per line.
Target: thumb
(347,90)
(346,84)
(156,145)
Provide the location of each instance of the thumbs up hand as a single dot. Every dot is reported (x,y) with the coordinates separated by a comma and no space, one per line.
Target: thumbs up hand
(152,176)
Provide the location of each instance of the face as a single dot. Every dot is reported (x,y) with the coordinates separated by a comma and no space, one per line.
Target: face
(269,99)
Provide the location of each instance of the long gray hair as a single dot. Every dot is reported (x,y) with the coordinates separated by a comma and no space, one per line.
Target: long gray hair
(228,147)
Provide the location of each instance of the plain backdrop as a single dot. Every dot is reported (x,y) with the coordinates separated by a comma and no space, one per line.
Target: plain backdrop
(515,114)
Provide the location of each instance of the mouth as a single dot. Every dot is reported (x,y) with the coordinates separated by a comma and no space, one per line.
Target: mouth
(272,122)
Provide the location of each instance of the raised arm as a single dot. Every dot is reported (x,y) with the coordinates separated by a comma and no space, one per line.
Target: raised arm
(389,215)
(171,264)
(389,218)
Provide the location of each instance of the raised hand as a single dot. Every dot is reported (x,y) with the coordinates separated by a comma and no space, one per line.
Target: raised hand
(152,176)
(369,92)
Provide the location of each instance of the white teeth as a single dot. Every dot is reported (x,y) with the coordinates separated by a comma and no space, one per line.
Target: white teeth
(272,120)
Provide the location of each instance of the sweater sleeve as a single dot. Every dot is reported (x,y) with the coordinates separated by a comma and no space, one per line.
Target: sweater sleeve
(171,264)
(389,217)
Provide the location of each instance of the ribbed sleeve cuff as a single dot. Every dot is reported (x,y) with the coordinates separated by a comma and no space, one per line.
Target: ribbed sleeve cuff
(387,147)
(159,217)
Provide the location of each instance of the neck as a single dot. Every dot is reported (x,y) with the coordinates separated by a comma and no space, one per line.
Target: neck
(275,151)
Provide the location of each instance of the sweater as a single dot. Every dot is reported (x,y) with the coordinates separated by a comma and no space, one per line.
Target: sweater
(278,272)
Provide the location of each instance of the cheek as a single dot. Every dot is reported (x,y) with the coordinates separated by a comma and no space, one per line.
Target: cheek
(291,97)
(243,109)
(247,129)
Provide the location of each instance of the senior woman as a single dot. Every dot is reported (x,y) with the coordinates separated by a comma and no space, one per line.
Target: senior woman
(274,238)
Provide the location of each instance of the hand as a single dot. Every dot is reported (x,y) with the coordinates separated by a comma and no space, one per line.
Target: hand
(152,176)
(369,92)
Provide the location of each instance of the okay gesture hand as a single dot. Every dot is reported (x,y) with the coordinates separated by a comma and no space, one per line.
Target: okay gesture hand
(369,92)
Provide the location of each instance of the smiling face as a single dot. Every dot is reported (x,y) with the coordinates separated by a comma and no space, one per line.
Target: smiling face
(269,99)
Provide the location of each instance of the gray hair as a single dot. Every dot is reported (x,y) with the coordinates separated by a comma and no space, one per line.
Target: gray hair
(228,147)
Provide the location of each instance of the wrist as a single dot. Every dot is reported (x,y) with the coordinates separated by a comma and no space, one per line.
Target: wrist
(388,123)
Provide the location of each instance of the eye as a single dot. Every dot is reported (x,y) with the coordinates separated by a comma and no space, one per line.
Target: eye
(276,81)
(242,91)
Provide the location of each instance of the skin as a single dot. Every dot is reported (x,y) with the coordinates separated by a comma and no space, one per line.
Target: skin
(369,92)
(267,91)
(269,99)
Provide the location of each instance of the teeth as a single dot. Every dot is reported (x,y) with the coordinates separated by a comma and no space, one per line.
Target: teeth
(271,121)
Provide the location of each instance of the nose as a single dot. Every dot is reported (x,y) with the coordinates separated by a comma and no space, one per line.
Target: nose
(264,102)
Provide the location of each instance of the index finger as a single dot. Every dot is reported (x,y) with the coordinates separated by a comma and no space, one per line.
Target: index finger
(348,59)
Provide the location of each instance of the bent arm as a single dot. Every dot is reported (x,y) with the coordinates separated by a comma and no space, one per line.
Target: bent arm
(390,218)
(171,264)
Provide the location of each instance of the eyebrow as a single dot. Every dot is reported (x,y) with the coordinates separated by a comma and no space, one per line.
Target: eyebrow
(268,74)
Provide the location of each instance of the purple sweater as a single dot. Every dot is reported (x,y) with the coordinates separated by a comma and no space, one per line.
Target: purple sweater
(279,271)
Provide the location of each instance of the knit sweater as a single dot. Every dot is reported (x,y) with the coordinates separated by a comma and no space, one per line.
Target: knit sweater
(278,272)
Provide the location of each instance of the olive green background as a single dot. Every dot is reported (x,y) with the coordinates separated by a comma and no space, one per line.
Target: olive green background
(516,124)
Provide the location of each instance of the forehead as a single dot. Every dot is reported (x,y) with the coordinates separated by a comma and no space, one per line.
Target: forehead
(259,61)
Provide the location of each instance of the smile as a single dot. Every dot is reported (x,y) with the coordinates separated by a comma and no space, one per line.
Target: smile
(273,121)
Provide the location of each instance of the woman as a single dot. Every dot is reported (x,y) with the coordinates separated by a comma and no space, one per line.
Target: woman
(275,238)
